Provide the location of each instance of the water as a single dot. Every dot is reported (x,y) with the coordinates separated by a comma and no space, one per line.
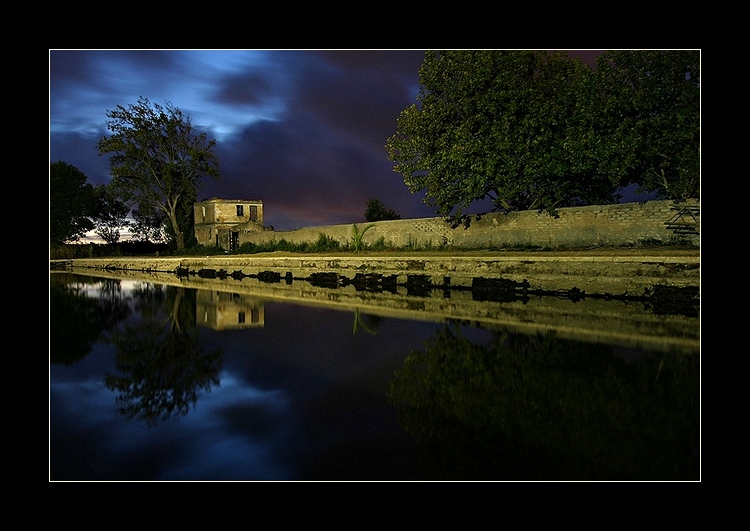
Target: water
(157,382)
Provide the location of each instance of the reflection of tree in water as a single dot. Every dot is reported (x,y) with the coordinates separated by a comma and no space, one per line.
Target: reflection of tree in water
(161,363)
(77,321)
(542,408)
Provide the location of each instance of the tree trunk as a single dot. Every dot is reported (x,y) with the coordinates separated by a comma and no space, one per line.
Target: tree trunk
(179,237)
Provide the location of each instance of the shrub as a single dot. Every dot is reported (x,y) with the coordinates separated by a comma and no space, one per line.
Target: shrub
(325,243)
(379,245)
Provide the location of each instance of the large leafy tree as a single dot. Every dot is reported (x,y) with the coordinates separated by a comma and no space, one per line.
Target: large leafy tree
(503,125)
(158,162)
(646,115)
(538,130)
(71,203)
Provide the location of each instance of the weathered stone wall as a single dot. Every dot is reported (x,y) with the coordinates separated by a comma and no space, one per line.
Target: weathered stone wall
(603,225)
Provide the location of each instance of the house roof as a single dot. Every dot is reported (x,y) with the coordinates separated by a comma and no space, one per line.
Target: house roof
(217,200)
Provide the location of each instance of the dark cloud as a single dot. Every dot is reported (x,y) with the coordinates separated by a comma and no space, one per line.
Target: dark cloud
(66,66)
(308,174)
(79,150)
(249,88)
(360,94)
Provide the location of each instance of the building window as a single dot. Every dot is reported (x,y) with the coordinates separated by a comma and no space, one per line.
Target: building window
(240,210)
(253,213)
(241,317)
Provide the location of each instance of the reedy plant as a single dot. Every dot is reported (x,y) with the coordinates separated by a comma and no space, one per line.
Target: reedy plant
(357,236)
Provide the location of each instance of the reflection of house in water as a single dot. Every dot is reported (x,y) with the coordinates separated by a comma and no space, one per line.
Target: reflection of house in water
(221,310)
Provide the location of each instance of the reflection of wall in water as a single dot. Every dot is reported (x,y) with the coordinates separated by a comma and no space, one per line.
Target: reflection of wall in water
(221,310)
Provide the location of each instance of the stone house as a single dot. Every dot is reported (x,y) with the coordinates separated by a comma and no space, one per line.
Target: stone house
(219,222)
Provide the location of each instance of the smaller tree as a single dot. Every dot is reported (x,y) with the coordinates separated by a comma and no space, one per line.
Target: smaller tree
(71,203)
(376,211)
(149,226)
(111,215)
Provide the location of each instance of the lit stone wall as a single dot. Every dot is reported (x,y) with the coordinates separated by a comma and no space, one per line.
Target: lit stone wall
(574,227)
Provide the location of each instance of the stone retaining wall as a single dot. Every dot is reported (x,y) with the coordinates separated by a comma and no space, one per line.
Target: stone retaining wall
(604,273)
(600,225)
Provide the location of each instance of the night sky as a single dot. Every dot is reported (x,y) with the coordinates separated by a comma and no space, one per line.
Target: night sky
(302,130)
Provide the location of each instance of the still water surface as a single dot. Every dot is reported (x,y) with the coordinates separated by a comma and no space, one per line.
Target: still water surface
(156,382)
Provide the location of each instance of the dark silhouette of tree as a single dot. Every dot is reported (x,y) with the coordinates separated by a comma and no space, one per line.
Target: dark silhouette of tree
(376,211)
(543,408)
(111,215)
(161,364)
(149,226)
(71,203)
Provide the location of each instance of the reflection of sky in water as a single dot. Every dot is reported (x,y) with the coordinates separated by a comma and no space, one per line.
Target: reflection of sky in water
(203,444)
(214,449)
(126,288)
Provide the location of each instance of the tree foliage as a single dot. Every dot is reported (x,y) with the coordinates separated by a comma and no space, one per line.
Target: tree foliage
(647,113)
(149,227)
(376,211)
(158,161)
(111,215)
(539,130)
(71,203)
(498,125)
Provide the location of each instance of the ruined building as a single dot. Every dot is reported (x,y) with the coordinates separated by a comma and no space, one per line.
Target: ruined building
(219,222)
